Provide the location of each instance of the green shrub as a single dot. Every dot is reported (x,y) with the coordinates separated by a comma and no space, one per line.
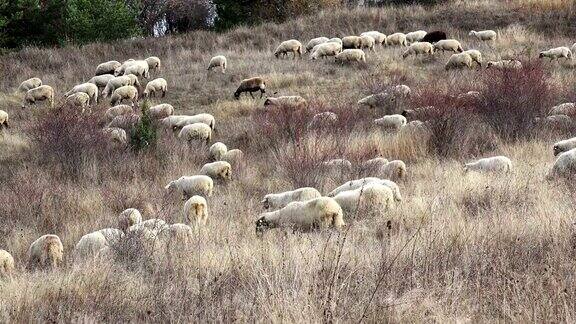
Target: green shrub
(144,134)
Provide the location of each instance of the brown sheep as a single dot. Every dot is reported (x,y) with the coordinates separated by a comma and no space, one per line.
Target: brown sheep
(251,85)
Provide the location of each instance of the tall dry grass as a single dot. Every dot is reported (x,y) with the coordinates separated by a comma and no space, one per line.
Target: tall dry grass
(458,248)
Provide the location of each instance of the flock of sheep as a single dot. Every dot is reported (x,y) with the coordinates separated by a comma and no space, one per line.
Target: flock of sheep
(300,209)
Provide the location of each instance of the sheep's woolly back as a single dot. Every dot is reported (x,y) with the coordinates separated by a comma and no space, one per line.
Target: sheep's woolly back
(29,84)
(217,150)
(6,264)
(46,252)
(129,217)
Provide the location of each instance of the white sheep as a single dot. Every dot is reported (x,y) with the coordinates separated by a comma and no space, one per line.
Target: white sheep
(360,183)
(375,163)
(564,166)
(476,56)
(394,170)
(351,42)
(117,82)
(4,119)
(315,41)
(46,252)
(378,36)
(234,156)
(415,36)
(338,164)
(289,46)
(564,146)
(293,102)
(79,99)
(217,150)
(148,229)
(192,185)
(458,61)
(450,45)
(278,200)
(318,213)
(41,93)
(155,86)
(154,63)
(89,88)
(323,119)
(218,61)
(117,135)
(6,265)
(484,35)
(175,238)
(396,39)
(393,122)
(126,121)
(107,67)
(498,164)
(351,55)
(161,111)
(504,64)
(219,170)
(567,108)
(335,40)
(326,49)
(117,111)
(128,218)
(179,121)
(196,211)
(556,53)
(91,244)
(138,68)
(129,93)
(29,84)
(196,131)
(372,198)
(101,80)
(367,42)
(419,48)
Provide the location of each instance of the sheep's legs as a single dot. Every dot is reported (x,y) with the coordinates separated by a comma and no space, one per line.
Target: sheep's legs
(251,94)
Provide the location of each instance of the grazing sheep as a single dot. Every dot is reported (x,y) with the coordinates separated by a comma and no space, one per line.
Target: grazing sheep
(556,53)
(564,146)
(117,82)
(192,185)
(117,135)
(564,166)
(279,200)
(101,80)
(126,121)
(129,93)
(450,45)
(154,86)
(475,55)
(148,229)
(359,183)
(79,99)
(394,170)
(386,100)
(372,198)
(415,36)
(29,84)
(379,38)
(46,252)
(318,213)
(91,244)
(175,237)
(128,218)
(218,61)
(335,40)
(4,119)
(396,39)
(251,85)
(233,156)
(323,119)
(351,55)
(154,63)
(289,46)
(119,110)
(217,150)
(107,67)
(326,49)
(554,120)
(286,101)
(315,41)
(41,93)
(196,131)
(139,68)
(219,170)
(434,36)
(367,42)
(6,265)
(196,211)
(338,164)
(394,122)
(418,48)
(375,163)
(179,121)
(504,64)
(351,42)
(459,61)
(161,111)
(89,88)
(499,164)
(484,35)
(567,108)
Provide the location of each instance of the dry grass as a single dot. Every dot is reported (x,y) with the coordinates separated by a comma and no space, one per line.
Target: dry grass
(459,248)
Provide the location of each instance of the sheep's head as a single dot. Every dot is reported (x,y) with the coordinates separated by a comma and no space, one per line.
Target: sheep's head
(237,95)
(262,225)
(268,102)
(557,150)
(472,33)
(265,203)
(541,55)
(226,173)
